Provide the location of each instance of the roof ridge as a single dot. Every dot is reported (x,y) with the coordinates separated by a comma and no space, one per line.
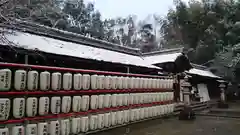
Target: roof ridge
(165,51)
(47,31)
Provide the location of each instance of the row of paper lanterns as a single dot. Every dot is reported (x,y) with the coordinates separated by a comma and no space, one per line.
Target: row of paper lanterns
(33,106)
(84,124)
(32,80)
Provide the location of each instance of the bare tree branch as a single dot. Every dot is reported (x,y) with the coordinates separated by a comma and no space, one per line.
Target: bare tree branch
(4,2)
(6,19)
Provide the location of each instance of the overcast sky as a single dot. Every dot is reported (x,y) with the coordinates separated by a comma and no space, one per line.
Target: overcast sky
(141,8)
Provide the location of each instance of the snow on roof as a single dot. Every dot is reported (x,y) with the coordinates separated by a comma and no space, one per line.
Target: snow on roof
(162,58)
(50,45)
(202,73)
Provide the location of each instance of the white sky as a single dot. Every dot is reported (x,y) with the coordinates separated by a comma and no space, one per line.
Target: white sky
(141,8)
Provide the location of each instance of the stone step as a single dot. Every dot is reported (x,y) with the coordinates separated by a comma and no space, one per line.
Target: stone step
(225,111)
(196,106)
(218,115)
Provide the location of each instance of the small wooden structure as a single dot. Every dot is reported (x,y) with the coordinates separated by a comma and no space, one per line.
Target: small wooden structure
(204,82)
(174,61)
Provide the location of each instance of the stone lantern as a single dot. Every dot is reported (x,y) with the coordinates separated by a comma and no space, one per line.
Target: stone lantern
(187,113)
(222,87)
(186,91)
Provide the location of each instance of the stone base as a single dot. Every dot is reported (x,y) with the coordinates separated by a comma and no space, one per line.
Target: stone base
(222,105)
(187,114)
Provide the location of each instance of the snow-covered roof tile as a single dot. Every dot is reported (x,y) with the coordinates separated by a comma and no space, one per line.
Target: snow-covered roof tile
(162,58)
(50,45)
(202,73)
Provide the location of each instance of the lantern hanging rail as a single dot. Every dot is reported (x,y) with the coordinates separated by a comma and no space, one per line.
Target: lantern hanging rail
(73,92)
(75,70)
(65,115)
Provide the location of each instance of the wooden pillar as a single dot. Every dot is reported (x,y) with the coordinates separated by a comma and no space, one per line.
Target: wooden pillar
(176,87)
(26,59)
(128,69)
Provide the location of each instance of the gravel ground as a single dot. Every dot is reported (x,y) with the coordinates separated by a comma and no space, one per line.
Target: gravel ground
(201,126)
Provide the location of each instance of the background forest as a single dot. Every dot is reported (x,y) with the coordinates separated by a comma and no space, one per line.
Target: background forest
(209,29)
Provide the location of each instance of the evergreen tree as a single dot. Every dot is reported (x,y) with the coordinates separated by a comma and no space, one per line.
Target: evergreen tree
(209,29)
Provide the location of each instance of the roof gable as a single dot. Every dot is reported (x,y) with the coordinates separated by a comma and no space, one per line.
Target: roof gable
(55,46)
(201,71)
